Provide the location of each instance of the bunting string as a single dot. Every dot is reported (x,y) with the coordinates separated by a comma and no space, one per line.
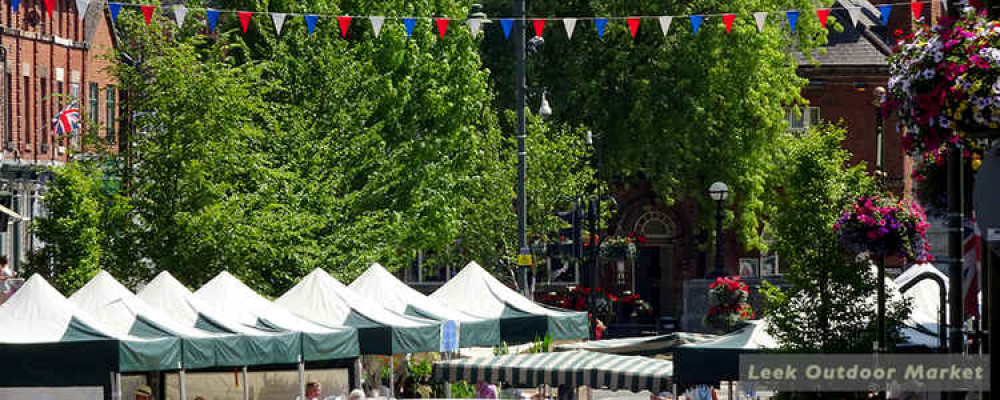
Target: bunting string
(880,14)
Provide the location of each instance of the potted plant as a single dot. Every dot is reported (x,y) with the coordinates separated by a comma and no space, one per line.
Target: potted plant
(728,304)
(945,81)
(878,226)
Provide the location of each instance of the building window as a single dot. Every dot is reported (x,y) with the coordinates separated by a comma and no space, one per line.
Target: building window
(93,93)
(110,125)
(562,271)
(802,119)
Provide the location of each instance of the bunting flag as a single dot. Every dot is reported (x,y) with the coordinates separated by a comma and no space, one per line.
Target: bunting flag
(665,24)
(760,18)
(344,21)
(147,13)
(633,26)
(474,25)
(311,23)
(727,20)
(793,19)
(409,24)
(14,5)
(245,19)
(114,9)
(179,13)
(279,21)
(212,16)
(823,14)
(49,6)
(885,10)
(600,23)
(442,25)
(507,24)
(81,7)
(854,13)
(539,25)
(917,8)
(377,23)
(570,25)
(696,23)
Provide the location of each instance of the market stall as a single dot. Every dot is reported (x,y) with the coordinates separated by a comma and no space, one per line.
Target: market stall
(320,298)
(41,327)
(639,346)
(475,291)
(718,360)
(572,368)
(384,289)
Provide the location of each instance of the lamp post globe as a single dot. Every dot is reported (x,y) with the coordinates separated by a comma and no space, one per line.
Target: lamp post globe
(719,192)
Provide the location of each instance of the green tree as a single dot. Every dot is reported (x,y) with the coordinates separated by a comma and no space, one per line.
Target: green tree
(680,110)
(825,310)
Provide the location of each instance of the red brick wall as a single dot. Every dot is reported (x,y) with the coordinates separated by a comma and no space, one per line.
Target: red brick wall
(46,56)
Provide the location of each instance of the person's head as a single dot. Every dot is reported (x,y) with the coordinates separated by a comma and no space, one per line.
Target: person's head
(143,392)
(313,389)
(3,261)
(356,394)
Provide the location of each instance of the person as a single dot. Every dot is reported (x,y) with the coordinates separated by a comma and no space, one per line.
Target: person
(356,394)
(143,392)
(5,274)
(314,391)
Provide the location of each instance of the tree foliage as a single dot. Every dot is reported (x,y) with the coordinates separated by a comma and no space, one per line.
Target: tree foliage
(830,306)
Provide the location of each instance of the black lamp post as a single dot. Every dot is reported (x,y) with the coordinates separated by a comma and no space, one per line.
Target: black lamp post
(718,192)
(880,343)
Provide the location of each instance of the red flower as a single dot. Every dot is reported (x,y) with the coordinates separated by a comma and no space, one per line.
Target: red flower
(898,32)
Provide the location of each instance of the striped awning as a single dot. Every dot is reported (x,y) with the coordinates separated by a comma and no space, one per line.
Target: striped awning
(644,346)
(574,368)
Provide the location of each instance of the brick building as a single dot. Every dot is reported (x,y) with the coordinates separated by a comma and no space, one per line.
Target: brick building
(49,61)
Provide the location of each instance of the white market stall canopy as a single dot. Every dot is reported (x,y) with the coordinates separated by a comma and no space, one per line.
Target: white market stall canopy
(321,298)
(475,291)
(574,368)
(639,346)
(41,327)
(238,302)
(381,287)
(170,297)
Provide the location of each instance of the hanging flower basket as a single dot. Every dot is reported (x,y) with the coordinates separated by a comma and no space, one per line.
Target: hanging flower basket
(728,307)
(930,174)
(881,227)
(945,82)
(619,248)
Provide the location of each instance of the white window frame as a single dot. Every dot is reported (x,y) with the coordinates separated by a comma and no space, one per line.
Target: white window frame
(808,117)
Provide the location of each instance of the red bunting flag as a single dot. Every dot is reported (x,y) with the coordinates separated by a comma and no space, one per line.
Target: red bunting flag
(727,20)
(344,21)
(442,24)
(633,26)
(823,14)
(49,6)
(917,8)
(245,19)
(539,25)
(147,13)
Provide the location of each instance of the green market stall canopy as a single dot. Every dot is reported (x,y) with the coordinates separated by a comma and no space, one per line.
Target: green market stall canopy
(719,360)
(574,368)
(380,286)
(473,290)
(265,347)
(321,298)
(639,346)
(41,327)
(241,304)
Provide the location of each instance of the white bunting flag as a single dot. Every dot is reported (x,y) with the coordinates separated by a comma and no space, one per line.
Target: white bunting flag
(570,25)
(179,13)
(474,25)
(81,8)
(854,13)
(761,19)
(279,21)
(377,23)
(665,24)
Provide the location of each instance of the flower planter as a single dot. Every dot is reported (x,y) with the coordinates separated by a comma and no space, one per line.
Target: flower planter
(881,227)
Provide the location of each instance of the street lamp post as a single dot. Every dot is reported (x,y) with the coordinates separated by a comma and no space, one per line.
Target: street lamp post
(880,179)
(718,192)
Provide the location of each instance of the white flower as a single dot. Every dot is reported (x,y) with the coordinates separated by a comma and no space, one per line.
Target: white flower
(996,86)
(927,74)
(938,56)
(944,122)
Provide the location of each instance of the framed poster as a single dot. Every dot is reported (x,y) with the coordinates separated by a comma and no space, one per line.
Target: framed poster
(749,267)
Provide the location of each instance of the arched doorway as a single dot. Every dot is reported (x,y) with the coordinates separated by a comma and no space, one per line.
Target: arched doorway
(655,271)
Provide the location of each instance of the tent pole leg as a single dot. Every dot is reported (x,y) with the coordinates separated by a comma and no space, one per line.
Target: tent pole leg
(302,379)
(246,388)
(116,386)
(392,376)
(183,379)
(675,391)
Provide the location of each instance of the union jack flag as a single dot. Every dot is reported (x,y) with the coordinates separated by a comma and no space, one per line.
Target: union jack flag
(67,121)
